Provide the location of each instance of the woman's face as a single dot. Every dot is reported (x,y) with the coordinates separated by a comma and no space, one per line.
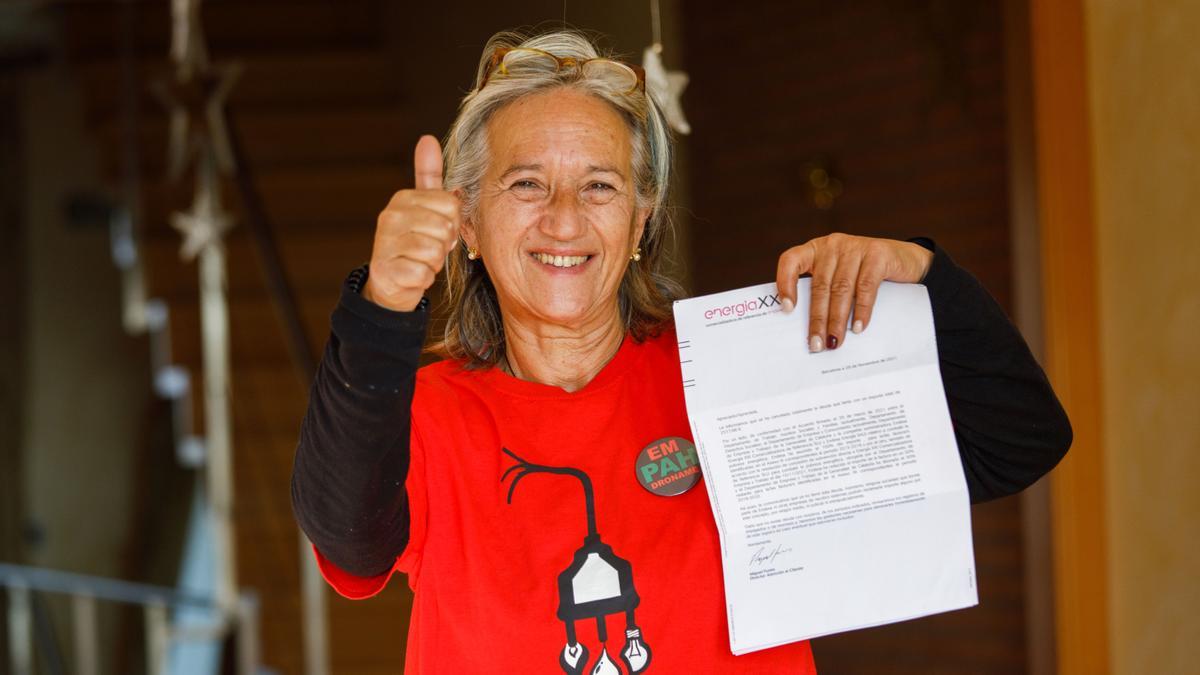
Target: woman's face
(557,217)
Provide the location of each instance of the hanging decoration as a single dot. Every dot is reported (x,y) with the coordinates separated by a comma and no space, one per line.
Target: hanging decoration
(194,95)
(666,86)
(195,92)
(188,51)
(196,119)
(205,224)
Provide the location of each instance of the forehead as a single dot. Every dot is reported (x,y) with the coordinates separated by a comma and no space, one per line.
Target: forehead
(557,127)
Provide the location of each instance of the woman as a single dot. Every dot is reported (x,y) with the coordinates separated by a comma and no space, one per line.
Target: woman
(561,361)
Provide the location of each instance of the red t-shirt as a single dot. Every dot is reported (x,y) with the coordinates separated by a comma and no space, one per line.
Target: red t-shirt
(486,573)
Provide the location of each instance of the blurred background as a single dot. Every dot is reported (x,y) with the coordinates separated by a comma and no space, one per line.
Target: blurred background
(150,397)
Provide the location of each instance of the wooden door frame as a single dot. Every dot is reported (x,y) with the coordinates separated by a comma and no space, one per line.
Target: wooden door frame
(1071,329)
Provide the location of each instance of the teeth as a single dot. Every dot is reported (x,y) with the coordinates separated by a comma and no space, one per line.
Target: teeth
(560,260)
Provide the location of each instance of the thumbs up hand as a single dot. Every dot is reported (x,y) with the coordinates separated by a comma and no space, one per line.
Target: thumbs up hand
(413,234)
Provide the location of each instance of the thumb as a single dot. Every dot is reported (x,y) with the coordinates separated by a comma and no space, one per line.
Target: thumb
(427,162)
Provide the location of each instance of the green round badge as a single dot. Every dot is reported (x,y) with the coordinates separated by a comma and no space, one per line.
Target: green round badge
(669,466)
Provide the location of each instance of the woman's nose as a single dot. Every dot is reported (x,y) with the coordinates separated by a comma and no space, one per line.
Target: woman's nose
(564,217)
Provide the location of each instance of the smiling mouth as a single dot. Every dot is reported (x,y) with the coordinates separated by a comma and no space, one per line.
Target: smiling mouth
(560,260)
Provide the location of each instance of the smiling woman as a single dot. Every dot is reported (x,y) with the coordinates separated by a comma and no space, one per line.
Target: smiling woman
(561,361)
(557,222)
(569,141)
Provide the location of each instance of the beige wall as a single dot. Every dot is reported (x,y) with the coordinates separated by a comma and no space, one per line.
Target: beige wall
(86,381)
(1144,78)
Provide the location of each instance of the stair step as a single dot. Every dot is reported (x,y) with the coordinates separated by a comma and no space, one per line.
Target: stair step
(303,79)
(344,198)
(314,261)
(269,397)
(282,137)
(93,29)
(271,401)
(255,332)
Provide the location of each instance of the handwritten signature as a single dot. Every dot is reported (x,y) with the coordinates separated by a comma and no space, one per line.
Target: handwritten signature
(764,556)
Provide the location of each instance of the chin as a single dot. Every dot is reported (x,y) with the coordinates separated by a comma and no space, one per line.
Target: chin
(559,310)
(568,315)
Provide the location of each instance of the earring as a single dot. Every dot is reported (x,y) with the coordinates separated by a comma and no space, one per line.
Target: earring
(472,253)
(637,254)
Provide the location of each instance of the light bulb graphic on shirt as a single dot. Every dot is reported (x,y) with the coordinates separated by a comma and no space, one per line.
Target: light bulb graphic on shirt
(574,658)
(636,654)
(604,665)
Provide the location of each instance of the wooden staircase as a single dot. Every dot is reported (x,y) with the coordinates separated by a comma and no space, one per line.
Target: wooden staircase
(328,136)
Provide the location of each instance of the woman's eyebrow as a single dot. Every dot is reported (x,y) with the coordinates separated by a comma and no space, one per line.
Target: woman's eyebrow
(594,168)
(520,167)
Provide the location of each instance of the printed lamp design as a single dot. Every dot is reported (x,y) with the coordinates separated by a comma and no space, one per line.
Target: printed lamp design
(596,584)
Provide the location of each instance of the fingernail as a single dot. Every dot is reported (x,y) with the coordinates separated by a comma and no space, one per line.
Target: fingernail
(814,344)
(833,342)
(857,327)
(788,305)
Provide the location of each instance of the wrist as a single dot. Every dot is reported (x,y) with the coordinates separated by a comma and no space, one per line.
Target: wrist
(397,302)
(922,261)
(359,283)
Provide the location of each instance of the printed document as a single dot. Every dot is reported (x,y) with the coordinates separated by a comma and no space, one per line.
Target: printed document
(834,477)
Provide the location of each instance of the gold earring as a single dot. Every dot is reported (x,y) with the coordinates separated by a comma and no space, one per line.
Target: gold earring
(637,254)
(472,253)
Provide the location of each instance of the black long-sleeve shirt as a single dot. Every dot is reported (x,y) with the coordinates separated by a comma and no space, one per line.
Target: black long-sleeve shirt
(352,459)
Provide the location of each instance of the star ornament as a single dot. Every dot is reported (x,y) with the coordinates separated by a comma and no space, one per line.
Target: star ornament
(666,86)
(201,227)
(195,102)
(199,231)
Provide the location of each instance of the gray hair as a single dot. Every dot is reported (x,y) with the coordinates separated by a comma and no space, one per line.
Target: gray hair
(474,329)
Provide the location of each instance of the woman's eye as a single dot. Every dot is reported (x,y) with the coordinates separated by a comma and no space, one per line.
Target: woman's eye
(525,185)
(599,192)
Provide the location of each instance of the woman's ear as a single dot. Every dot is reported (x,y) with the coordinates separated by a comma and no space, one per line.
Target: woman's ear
(467,231)
(639,227)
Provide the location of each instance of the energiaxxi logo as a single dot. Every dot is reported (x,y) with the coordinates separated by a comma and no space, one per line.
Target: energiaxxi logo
(743,308)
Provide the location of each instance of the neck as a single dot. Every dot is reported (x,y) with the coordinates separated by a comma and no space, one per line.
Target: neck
(559,356)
